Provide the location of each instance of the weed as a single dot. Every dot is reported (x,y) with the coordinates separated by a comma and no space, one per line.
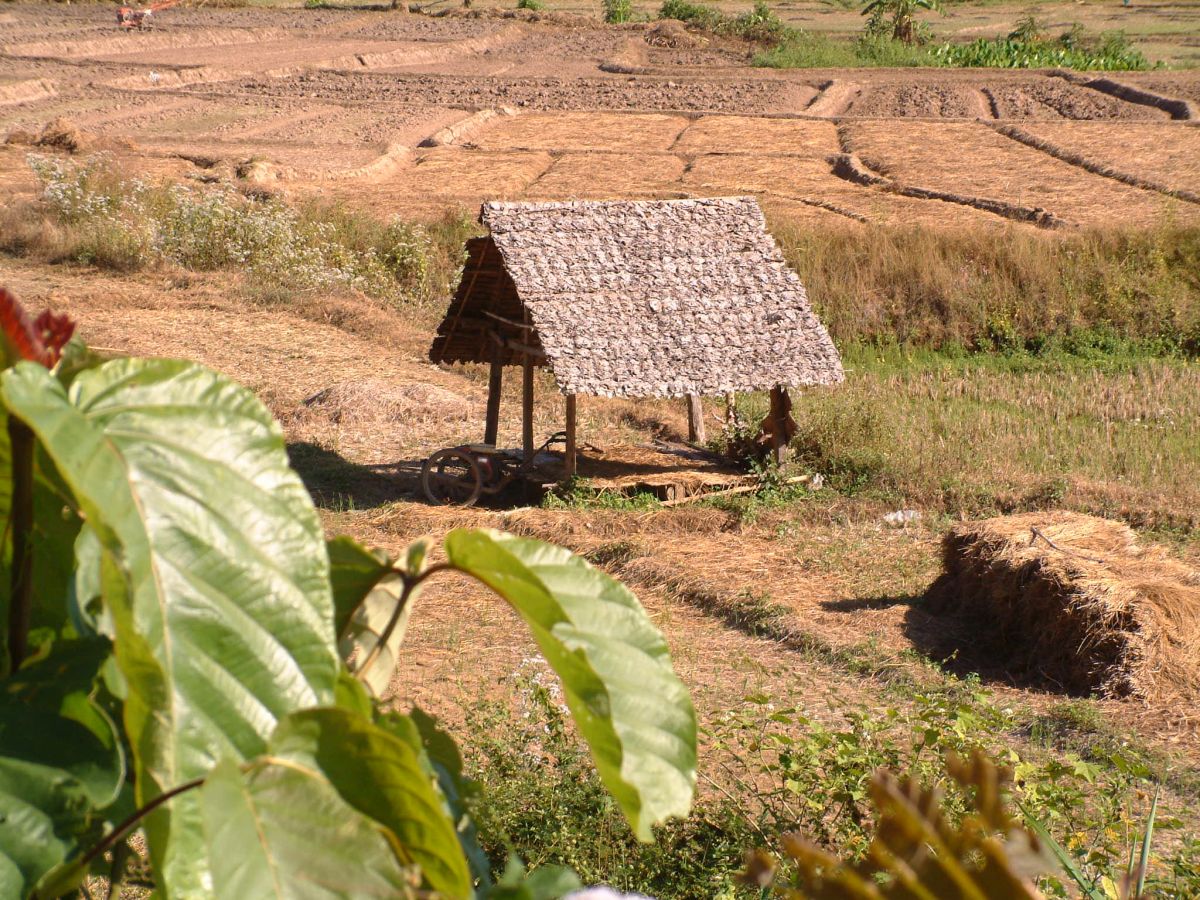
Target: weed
(775,767)
(618,11)
(535,5)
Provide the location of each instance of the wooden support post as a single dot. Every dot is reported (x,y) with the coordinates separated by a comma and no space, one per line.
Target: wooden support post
(731,413)
(527,444)
(491,428)
(781,406)
(695,420)
(569,452)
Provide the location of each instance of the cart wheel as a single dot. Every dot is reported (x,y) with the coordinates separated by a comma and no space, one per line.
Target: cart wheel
(452,478)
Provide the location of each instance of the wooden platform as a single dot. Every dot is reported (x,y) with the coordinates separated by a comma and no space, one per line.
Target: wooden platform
(666,471)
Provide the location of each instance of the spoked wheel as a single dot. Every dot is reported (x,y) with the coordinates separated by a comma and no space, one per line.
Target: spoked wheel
(452,478)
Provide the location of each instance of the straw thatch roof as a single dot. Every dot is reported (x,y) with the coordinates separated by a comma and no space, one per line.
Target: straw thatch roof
(637,299)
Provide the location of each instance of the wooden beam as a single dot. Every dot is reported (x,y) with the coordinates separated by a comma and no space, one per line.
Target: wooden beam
(491,428)
(569,454)
(695,420)
(527,444)
(781,407)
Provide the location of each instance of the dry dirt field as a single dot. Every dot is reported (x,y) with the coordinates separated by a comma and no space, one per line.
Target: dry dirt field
(410,115)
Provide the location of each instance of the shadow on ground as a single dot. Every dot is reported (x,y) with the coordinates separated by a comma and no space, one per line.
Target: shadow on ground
(957,646)
(336,483)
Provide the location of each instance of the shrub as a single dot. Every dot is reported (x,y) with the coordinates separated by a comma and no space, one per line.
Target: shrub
(1028,48)
(535,5)
(104,219)
(696,14)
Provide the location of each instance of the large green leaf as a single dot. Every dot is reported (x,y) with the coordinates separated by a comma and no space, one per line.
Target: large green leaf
(280,830)
(367,591)
(615,667)
(213,568)
(382,776)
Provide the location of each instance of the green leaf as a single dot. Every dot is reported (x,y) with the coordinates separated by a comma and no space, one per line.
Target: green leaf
(1147,840)
(367,592)
(61,763)
(1061,855)
(280,830)
(381,776)
(213,568)
(440,755)
(631,708)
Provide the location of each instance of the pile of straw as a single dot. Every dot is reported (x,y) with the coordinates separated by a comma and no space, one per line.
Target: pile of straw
(373,401)
(1077,602)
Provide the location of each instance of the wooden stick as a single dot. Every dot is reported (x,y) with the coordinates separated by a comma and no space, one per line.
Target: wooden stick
(569,453)
(527,408)
(695,420)
(491,428)
(780,406)
(724,492)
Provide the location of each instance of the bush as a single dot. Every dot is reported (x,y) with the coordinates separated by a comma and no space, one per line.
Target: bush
(535,5)
(92,214)
(758,24)
(1028,48)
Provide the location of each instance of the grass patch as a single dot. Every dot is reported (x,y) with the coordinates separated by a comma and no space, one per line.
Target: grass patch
(984,434)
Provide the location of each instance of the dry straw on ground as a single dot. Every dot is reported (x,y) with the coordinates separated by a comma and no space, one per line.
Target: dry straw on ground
(1076,601)
(376,401)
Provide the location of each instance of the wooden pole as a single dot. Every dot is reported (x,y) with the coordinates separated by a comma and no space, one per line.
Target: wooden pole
(491,428)
(569,453)
(527,408)
(780,407)
(695,420)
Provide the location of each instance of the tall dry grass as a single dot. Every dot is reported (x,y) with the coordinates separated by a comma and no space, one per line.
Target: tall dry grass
(982,288)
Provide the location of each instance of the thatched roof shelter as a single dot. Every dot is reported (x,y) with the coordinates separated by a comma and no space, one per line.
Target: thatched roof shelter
(664,298)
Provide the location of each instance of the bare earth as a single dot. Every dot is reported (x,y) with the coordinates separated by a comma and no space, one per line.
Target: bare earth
(410,114)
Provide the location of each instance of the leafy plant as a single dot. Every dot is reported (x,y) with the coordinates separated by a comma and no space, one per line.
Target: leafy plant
(1131,883)
(903,15)
(618,11)
(1028,47)
(174,617)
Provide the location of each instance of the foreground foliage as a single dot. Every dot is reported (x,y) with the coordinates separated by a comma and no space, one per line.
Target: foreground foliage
(174,620)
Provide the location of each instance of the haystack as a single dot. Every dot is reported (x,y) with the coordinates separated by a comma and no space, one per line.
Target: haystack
(374,401)
(1075,601)
(673,34)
